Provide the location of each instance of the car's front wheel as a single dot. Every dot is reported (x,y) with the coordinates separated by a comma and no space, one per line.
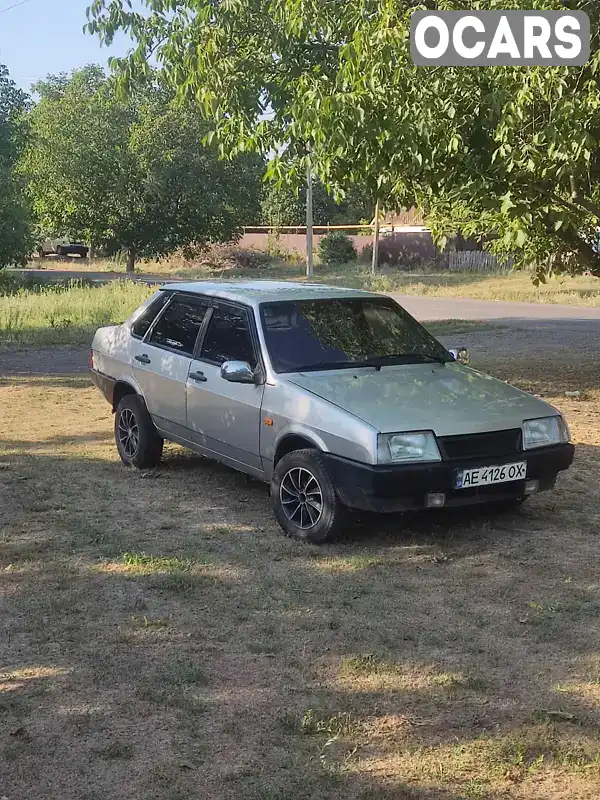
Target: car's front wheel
(305,501)
(137,439)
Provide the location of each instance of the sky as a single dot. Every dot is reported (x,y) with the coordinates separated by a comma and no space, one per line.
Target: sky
(41,37)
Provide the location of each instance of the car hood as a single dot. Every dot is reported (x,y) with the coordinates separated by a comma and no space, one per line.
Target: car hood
(449,399)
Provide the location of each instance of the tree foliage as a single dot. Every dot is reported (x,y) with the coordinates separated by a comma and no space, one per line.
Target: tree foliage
(15,230)
(132,174)
(504,151)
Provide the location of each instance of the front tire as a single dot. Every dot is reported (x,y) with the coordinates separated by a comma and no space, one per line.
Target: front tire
(138,442)
(305,501)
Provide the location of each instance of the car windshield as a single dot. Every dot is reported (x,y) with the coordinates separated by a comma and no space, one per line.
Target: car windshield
(304,335)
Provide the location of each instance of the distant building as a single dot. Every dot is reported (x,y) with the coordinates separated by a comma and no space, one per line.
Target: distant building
(404,221)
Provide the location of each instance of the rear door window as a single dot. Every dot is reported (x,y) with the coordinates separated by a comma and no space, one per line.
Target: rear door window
(140,327)
(180,324)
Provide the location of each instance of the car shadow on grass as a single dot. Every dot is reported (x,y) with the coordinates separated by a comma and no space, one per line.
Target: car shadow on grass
(162,639)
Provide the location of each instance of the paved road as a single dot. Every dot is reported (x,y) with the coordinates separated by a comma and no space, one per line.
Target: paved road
(543,331)
(431,308)
(521,315)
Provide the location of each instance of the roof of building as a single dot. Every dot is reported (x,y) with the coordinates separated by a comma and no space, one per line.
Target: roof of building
(404,218)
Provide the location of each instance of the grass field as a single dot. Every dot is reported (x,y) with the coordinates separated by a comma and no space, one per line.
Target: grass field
(161,639)
(581,290)
(65,313)
(68,313)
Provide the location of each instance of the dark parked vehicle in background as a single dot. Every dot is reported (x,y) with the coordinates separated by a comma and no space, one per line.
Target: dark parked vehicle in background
(63,247)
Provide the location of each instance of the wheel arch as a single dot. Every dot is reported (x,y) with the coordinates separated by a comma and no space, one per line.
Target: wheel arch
(121,390)
(297,440)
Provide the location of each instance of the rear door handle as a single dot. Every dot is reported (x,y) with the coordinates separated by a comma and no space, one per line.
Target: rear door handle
(198,376)
(143,359)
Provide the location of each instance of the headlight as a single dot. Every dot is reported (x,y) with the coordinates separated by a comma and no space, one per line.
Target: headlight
(398,448)
(544,432)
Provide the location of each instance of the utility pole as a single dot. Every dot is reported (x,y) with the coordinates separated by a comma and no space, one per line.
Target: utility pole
(309,220)
(375,258)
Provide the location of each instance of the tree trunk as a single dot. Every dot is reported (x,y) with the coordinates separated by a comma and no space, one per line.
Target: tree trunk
(309,221)
(375,257)
(130,269)
(91,255)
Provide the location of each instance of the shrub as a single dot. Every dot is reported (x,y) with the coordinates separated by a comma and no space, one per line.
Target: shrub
(337,248)
(219,257)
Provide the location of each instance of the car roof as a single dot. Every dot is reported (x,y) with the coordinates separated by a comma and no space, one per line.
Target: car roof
(255,292)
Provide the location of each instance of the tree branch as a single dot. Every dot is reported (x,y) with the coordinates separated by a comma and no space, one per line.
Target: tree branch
(581,200)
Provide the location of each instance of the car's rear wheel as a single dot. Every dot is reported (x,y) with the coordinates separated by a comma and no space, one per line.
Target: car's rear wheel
(137,439)
(305,501)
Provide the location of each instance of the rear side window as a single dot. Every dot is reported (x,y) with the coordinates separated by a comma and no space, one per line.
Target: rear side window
(179,326)
(140,327)
(228,337)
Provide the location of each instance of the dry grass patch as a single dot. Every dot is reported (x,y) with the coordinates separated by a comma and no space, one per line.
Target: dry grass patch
(161,639)
(515,286)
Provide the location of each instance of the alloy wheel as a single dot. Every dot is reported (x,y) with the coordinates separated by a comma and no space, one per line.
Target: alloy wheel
(128,432)
(301,498)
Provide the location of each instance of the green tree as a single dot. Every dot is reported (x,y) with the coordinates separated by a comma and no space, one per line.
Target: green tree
(511,152)
(15,222)
(132,174)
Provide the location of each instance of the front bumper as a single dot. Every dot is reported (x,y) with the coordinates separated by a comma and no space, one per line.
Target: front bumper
(404,487)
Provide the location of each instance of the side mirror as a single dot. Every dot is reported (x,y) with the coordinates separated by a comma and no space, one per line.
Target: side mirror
(460,354)
(237,372)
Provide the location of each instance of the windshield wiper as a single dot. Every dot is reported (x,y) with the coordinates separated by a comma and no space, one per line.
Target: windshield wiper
(426,356)
(378,361)
(317,366)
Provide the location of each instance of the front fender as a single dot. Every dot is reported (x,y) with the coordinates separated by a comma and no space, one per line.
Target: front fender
(298,429)
(291,429)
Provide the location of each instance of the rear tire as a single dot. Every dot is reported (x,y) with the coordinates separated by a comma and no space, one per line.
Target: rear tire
(138,442)
(305,501)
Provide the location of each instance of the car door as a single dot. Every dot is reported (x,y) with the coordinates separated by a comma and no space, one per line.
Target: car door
(224,417)
(162,360)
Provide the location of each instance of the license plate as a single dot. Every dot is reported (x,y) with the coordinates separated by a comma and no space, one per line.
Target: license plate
(484,476)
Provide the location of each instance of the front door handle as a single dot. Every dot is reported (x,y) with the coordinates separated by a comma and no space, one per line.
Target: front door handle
(143,359)
(198,376)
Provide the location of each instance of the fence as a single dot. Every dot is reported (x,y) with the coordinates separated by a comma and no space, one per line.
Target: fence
(400,248)
(476,261)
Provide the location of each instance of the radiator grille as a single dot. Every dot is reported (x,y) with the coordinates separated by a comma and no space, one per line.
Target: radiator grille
(482,445)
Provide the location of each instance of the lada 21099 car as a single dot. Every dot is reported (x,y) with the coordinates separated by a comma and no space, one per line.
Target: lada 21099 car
(337,397)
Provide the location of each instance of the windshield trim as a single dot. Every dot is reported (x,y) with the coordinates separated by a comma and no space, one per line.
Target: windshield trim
(386,361)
